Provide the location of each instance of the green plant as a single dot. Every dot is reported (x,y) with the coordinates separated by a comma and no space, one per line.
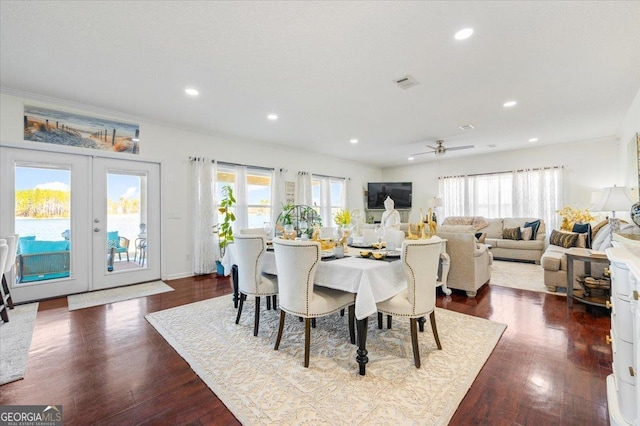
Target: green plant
(225,229)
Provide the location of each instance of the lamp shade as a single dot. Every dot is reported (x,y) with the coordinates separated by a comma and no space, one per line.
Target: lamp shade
(615,198)
(435,202)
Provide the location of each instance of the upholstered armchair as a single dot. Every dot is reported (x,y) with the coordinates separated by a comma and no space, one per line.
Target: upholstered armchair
(251,280)
(297,263)
(470,260)
(121,244)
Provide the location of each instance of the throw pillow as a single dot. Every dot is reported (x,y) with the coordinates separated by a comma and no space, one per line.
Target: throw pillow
(480,236)
(598,227)
(535,225)
(563,239)
(511,234)
(526,233)
(583,228)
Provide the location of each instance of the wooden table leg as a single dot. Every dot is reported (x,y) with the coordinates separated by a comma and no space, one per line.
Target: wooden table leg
(234,280)
(361,356)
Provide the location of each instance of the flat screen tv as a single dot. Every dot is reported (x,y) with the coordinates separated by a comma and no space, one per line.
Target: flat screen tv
(400,193)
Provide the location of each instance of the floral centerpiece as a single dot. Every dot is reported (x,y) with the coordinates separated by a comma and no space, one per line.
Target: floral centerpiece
(571,215)
(342,218)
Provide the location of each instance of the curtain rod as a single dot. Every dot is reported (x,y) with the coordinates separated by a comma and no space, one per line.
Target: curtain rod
(503,172)
(200,158)
(324,176)
(224,163)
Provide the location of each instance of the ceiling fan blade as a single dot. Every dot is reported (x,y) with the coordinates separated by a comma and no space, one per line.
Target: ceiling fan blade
(432,147)
(422,153)
(455,148)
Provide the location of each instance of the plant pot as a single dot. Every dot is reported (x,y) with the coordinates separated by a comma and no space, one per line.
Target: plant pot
(219,268)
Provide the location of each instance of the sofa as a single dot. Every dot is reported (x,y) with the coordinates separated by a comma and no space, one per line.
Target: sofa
(491,231)
(554,261)
(470,261)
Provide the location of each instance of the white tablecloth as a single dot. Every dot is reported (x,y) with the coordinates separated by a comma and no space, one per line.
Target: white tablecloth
(372,280)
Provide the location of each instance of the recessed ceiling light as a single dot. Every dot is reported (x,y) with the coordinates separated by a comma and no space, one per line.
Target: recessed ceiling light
(509,104)
(533,140)
(272,117)
(191,91)
(354,141)
(410,158)
(464,34)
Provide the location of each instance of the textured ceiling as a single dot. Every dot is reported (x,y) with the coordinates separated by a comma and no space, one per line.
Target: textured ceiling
(327,69)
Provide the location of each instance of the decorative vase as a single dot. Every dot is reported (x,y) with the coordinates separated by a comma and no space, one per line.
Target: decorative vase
(219,268)
(635,213)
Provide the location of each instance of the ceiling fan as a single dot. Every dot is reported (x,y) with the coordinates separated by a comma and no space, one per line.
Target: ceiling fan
(441,149)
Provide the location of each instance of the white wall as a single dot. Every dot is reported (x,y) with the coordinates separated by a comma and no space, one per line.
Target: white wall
(172,147)
(627,131)
(589,166)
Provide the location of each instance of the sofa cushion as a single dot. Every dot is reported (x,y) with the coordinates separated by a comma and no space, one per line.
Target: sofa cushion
(511,233)
(551,260)
(494,230)
(456,228)
(519,244)
(480,237)
(534,225)
(37,246)
(526,234)
(563,239)
(596,228)
(583,228)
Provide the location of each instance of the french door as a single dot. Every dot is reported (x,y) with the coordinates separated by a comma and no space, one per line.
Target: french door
(85,223)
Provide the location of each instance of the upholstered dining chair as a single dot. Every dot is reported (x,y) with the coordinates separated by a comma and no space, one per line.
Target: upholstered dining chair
(251,280)
(420,259)
(12,242)
(4,253)
(297,263)
(253,231)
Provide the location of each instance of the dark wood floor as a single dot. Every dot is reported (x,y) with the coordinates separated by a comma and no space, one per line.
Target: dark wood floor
(107,365)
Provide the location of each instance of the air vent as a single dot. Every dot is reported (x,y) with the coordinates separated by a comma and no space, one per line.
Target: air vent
(406,82)
(492,145)
(467,127)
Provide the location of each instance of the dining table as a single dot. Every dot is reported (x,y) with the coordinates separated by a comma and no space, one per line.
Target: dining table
(371,280)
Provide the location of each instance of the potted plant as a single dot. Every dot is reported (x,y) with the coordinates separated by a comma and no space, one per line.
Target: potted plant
(225,229)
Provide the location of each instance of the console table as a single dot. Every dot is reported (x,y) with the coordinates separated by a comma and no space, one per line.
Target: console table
(588,257)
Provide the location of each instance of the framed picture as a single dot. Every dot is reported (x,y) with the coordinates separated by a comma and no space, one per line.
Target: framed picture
(65,128)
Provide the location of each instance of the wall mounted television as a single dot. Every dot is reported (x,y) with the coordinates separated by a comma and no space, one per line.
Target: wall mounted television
(400,193)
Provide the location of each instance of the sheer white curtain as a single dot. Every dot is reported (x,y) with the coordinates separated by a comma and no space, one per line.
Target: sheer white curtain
(490,195)
(242,208)
(539,193)
(277,194)
(452,189)
(205,245)
(325,202)
(303,189)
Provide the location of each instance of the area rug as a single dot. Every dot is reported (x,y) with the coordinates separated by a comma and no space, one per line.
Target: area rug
(15,341)
(520,275)
(112,295)
(263,386)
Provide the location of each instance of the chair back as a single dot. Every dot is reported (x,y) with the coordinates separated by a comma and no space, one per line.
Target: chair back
(297,263)
(249,252)
(421,259)
(12,242)
(253,231)
(327,232)
(394,237)
(4,253)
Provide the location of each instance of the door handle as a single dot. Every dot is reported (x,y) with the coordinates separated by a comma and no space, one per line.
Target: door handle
(96,229)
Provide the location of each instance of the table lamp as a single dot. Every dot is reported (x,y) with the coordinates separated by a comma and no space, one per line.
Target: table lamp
(615,198)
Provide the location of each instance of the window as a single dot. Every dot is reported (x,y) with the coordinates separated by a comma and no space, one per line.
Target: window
(253,194)
(522,193)
(328,195)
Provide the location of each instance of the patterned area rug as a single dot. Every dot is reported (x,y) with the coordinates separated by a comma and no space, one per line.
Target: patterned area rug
(263,386)
(112,295)
(15,341)
(520,275)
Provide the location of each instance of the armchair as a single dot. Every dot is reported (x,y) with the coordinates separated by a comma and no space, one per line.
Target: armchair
(121,244)
(470,260)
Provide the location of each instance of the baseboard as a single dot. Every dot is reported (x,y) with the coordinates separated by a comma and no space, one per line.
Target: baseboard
(178,276)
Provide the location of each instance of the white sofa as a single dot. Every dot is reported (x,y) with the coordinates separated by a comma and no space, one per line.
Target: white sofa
(514,249)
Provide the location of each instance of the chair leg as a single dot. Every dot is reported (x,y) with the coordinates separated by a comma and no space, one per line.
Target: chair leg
(432,317)
(127,256)
(268,303)
(307,341)
(280,328)
(380,320)
(341,312)
(4,314)
(119,256)
(256,321)
(414,341)
(421,322)
(313,322)
(388,321)
(7,293)
(274,302)
(242,298)
(352,328)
